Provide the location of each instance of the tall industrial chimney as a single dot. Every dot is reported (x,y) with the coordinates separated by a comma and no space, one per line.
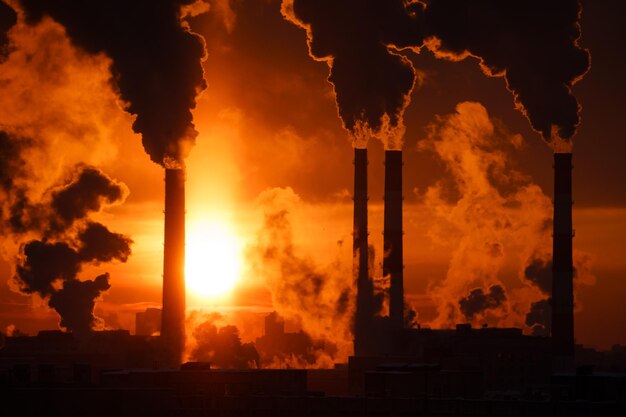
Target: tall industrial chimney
(365,291)
(392,236)
(173,315)
(562,265)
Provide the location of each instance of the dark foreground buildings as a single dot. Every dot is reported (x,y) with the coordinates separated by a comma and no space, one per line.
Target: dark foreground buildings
(459,372)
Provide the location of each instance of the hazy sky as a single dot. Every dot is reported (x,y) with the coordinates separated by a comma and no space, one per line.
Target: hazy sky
(268,120)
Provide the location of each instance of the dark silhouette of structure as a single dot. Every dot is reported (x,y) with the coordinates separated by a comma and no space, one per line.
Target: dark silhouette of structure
(278,347)
(148,323)
(562,265)
(392,237)
(365,291)
(173,315)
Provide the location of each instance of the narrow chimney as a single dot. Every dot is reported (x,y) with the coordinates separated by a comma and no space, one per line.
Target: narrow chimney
(562,265)
(392,236)
(364,304)
(173,315)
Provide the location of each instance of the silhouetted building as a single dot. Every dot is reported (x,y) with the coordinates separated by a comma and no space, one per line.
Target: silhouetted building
(173,315)
(148,323)
(279,348)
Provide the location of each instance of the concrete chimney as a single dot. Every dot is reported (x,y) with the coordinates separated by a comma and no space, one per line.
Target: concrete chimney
(392,236)
(173,315)
(365,291)
(562,265)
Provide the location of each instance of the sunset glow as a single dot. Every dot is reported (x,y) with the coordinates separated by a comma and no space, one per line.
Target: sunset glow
(213,261)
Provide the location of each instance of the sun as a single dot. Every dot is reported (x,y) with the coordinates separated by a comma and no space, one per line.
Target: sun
(213,260)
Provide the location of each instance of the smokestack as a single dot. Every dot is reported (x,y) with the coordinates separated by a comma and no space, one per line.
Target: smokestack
(392,236)
(562,265)
(173,315)
(364,303)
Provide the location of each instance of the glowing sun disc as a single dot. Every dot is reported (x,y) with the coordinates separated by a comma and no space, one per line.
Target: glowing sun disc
(212,259)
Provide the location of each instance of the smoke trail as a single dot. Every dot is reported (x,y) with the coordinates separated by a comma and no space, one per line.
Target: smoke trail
(320,299)
(49,266)
(358,40)
(156,62)
(533,44)
(488,214)
(491,216)
(477,301)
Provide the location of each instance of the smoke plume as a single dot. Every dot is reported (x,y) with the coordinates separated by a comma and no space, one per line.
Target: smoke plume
(320,299)
(539,272)
(359,41)
(488,214)
(533,44)
(478,301)
(49,265)
(155,62)
(492,217)
(539,318)
(219,343)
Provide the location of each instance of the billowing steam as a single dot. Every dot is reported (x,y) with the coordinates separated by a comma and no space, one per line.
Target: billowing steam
(488,215)
(533,44)
(219,343)
(320,299)
(477,301)
(359,40)
(492,217)
(156,62)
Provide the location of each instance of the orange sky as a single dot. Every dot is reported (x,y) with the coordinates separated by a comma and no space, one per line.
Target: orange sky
(268,120)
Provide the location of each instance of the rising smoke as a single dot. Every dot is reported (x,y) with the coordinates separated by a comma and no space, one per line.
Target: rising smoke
(321,299)
(219,343)
(67,240)
(478,300)
(492,215)
(156,62)
(359,41)
(532,44)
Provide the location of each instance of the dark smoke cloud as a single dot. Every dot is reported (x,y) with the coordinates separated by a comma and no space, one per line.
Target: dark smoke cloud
(531,43)
(222,347)
(49,265)
(89,192)
(539,318)
(539,272)
(99,244)
(76,300)
(372,82)
(156,62)
(8,19)
(478,301)
(44,264)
